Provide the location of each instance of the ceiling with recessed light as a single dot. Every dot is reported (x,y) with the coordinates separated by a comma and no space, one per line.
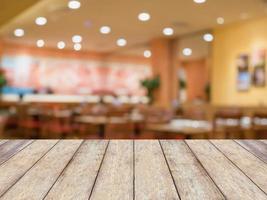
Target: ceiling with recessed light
(123,19)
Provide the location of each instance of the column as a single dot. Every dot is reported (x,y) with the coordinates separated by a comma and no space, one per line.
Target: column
(164,63)
(1,50)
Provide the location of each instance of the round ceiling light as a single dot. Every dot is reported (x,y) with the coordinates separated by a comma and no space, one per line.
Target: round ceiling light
(77,39)
(144,16)
(74,4)
(187,52)
(19,32)
(220,20)
(77,47)
(208,37)
(41,21)
(61,45)
(199,1)
(105,30)
(147,54)
(121,42)
(40,43)
(168,31)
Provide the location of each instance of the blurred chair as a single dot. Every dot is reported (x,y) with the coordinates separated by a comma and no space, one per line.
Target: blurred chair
(259,125)
(157,115)
(11,125)
(228,121)
(154,116)
(195,113)
(29,124)
(119,123)
(57,122)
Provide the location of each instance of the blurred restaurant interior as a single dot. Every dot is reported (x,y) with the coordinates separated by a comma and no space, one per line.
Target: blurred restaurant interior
(133,69)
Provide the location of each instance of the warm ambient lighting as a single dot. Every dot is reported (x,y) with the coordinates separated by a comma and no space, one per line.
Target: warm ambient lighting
(144,16)
(40,21)
(77,47)
(244,16)
(220,20)
(61,45)
(199,1)
(147,54)
(208,37)
(77,39)
(121,42)
(168,31)
(74,4)
(19,32)
(40,43)
(105,30)
(187,52)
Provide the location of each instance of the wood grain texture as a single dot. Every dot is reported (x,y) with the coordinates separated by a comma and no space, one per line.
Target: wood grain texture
(253,167)
(76,182)
(258,148)
(152,176)
(10,148)
(191,179)
(139,170)
(3,141)
(17,166)
(115,179)
(231,181)
(36,183)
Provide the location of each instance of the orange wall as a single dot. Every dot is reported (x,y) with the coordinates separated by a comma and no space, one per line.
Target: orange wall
(197,78)
(230,41)
(1,48)
(19,49)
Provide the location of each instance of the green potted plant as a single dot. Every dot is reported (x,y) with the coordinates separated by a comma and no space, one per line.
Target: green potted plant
(182,87)
(208,91)
(150,85)
(3,80)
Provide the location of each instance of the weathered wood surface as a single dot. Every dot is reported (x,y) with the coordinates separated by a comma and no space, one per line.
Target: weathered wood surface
(138,170)
(10,148)
(3,141)
(256,147)
(82,171)
(250,165)
(37,182)
(153,179)
(233,183)
(185,168)
(115,178)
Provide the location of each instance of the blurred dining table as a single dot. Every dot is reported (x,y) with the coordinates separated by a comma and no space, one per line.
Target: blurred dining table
(102,121)
(183,127)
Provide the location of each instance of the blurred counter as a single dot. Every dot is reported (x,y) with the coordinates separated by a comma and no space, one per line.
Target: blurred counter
(54,98)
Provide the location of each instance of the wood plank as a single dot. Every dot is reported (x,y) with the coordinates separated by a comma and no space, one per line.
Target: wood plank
(264,141)
(231,181)
(37,182)
(3,141)
(76,182)
(191,179)
(17,166)
(256,147)
(115,179)
(152,176)
(10,148)
(253,167)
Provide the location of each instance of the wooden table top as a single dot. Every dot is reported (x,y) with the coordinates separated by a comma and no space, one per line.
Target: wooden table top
(122,170)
